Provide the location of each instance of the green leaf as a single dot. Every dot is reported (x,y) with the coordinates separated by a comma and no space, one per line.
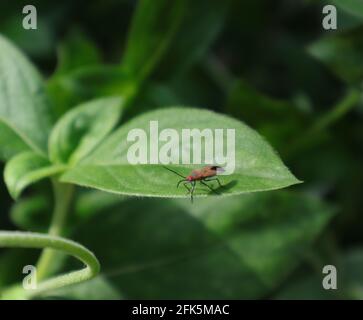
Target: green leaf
(354,7)
(278,120)
(347,19)
(39,44)
(342,53)
(92,202)
(94,289)
(75,52)
(308,287)
(349,281)
(240,247)
(352,277)
(243,96)
(257,167)
(27,168)
(202,22)
(81,129)
(17,145)
(268,230)
(172,34)
(24,107)
(154,25)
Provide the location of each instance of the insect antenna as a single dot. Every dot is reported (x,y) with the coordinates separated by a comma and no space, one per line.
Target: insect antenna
(174,172)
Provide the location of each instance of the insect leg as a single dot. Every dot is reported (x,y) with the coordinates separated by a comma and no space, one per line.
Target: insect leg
(192,191)
(209,187)
(214,178)
(185,185)
(179,182)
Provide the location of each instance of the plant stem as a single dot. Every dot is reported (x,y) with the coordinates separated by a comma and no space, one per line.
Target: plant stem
(62,198)
(36,240)
(309,138)
(349,101)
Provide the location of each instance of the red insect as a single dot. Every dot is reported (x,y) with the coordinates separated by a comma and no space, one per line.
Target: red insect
(207,173)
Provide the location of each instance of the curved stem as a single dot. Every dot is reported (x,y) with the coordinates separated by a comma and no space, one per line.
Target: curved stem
(36,240)
(62,198)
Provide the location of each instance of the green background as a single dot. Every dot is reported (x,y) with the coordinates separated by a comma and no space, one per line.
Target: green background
(267,63)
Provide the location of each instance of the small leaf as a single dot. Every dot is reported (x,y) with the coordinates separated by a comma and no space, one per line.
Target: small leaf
(75,52)
(27,168)
(82,128)
(257,167)
(24,106)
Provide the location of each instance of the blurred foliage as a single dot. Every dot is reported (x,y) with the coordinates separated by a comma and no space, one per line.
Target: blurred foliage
(267,63)
(205,246)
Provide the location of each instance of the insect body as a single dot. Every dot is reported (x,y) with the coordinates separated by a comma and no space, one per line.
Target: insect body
(203,175)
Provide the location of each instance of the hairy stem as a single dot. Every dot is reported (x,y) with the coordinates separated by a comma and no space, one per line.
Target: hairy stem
(36,240)
(62,198)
